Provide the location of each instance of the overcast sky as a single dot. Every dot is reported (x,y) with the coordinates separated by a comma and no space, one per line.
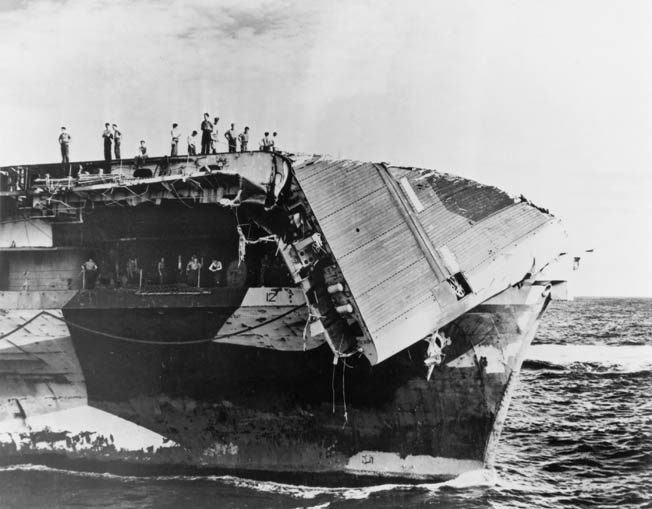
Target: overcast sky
(551,99)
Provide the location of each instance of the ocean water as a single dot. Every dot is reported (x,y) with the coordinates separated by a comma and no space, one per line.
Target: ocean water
(578,434)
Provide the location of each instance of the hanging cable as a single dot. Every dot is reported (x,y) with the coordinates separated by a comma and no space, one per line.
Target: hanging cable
(26,323)
(5,336)
(152,342)
(333,382)
(174,342)
(346,414)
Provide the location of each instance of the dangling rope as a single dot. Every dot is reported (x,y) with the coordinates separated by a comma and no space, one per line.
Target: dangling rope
(333,381)
(346,414)
(336,358)
(243,241)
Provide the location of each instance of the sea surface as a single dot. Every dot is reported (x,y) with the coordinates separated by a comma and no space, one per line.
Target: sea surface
(578,434)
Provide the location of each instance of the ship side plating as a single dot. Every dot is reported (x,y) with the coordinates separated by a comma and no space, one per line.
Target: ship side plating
(369,320)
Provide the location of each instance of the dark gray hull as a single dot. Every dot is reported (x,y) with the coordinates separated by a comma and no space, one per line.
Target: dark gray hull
(233,408)
(369,320)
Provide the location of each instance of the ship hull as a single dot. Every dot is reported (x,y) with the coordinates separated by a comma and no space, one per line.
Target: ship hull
(263,411)
(336,320)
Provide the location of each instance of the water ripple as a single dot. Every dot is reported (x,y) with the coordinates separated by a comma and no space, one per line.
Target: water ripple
(579,434)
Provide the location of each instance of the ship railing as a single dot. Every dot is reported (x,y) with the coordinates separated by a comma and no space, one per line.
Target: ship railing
(148,283)
(153,288)
(171,289)
(20,179)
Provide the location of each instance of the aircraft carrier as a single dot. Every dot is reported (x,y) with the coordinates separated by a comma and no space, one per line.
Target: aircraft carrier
(265,314)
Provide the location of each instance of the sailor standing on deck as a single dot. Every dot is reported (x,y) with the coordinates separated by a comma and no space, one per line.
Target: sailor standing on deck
(160,268)
(244,139)
(108,137)
(117,140)
(89,272)
(64,142)
(232,138)
(192,144)
(176,136)
(140,160)
(274,140)
(132,268)
(214,134)
(216,269)
(142,151)
(206,130)
(266,143)
(192,271)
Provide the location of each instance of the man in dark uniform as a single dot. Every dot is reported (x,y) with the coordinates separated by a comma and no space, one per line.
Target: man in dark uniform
(64,142)
(89,270)
(206,132)
(176,136)
(108,137)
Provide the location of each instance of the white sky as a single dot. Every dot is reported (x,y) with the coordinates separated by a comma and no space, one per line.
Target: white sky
(552,99)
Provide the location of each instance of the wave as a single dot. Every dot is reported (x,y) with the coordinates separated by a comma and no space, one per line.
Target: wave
(476,478)
(624,359)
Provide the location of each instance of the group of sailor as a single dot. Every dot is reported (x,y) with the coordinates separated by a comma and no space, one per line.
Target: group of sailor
(112,137)
(209,139)
(90,272)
